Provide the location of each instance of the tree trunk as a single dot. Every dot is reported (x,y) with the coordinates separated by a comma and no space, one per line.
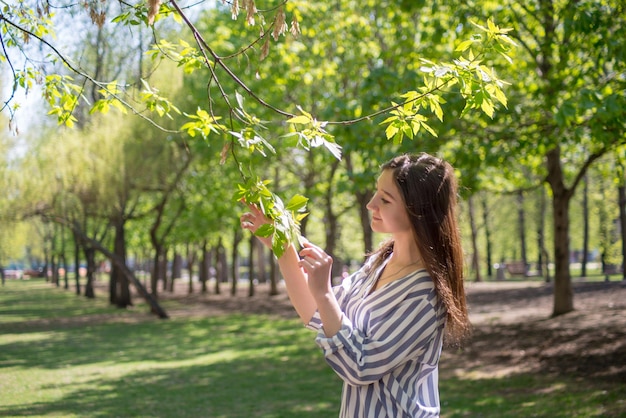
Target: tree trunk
(177,267)
(165,274)
(542,257)
(274,275)
(191,261)
(235,261)
(584,260)
(63,260)
(487,227)
(90,256)
(123,298)
(76,264)
(331,222)
(224,262)
(364,217)
(521,219)
(55,270)
(622,218)
(261,270)
(475,255)
(157,267)
(563,294)
(218,266)
(251,270)
(205,265)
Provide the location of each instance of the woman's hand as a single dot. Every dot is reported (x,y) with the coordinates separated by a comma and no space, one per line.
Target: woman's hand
(317,265)
(253,220)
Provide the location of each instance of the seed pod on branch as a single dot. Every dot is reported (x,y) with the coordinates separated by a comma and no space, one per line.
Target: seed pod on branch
(153,10)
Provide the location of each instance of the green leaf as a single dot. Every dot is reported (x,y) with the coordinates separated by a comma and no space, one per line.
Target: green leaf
(391,131)
(297,203)
(265,231)
(299,120)
(464,45)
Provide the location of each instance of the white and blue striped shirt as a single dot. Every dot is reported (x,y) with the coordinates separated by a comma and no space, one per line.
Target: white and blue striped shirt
(387,350)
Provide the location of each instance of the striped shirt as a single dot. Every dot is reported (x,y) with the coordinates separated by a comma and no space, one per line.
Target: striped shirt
(387,350)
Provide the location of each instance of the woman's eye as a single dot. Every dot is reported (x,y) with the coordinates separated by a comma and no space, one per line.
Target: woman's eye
(383,200)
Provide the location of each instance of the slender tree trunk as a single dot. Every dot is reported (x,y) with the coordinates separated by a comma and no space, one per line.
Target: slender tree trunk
(252,270)
(218,267)
(157,266)
(90,256)
(563,294)
(76,264)
(274,275)
(331,222)
(521,224)
(205,265)
(177,267)
(191,261)
(542,257)
(487,227)
(63,260)
(165,274)
(362,199)
(622,218)
(224,262)
(475,255)
(123,298)
(238,237)
(261,268)
(584,260)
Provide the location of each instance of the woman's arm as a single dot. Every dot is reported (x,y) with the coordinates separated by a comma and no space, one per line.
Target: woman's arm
(289,265)
(296,282)
(318,265)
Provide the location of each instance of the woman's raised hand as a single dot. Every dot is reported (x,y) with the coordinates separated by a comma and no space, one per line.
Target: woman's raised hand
(253,220)
(317,265)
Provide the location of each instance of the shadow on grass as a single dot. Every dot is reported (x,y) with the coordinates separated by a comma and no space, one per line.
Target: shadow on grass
(290,384)
(62,355)
(531,395)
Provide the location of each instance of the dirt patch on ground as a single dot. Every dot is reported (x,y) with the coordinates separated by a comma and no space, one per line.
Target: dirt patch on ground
(514,331)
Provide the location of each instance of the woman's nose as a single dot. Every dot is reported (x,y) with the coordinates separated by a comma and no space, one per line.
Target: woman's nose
(370,204)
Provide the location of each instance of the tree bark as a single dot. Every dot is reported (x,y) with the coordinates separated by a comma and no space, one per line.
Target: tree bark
(542,258)
(205,265)
(563,294)
(177,266)
(76,264)
(487,227)
(157,267)
(252,269)
(218,267)
(584,260)
(90,256)
(622,218)
(274,275)
(122,292)
(521,225)
(475,255)
(238,237)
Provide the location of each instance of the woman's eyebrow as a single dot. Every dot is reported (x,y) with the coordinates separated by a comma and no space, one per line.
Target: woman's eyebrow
(388,194)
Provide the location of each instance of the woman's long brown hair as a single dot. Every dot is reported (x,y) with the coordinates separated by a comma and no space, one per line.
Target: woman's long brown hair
(429,189)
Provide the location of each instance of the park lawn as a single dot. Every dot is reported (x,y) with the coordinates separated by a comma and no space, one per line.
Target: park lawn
(66,356)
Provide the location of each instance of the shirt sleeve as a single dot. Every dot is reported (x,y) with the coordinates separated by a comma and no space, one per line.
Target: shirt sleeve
(404,330)
(341,290)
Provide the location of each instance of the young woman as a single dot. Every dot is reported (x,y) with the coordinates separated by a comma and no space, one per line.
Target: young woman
(382,329)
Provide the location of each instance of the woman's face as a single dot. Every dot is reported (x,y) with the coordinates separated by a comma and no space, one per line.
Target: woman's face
(389,214)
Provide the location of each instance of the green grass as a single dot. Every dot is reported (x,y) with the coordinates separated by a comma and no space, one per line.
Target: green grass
(525,396)
(66,356)
(58,357)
